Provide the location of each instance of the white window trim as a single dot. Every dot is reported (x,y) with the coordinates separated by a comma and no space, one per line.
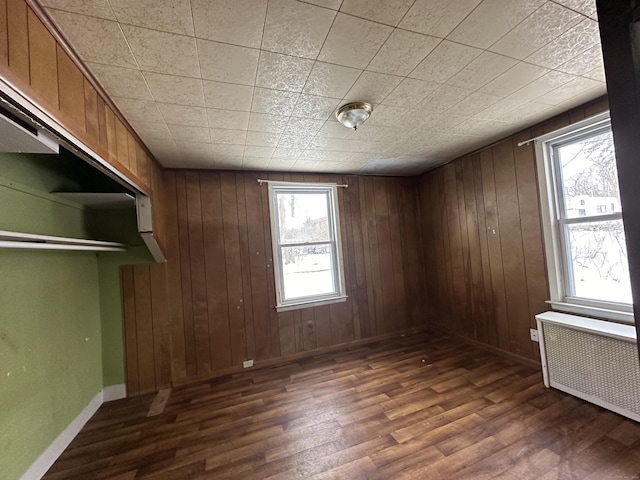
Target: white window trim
(317,300)
(554,250)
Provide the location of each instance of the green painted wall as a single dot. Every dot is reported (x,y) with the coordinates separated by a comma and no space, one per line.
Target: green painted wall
(60,312)
(50,349)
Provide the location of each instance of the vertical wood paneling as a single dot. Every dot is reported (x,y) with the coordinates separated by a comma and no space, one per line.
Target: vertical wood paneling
(4,44)
(245,263)
(18,39)
(112,143)
(122,143)
(130,330)
(144,329)
(71,90)
(91,110)
(132,154)
(42,60)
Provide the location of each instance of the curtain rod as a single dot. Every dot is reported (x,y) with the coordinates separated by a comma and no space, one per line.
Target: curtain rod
(261,181)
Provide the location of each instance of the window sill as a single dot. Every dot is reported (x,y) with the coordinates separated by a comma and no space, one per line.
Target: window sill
(309,304)
(605,313)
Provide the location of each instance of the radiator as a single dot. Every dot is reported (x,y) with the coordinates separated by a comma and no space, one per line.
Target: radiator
(592,359)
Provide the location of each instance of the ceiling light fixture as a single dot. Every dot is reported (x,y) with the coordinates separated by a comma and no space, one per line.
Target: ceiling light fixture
(352,115)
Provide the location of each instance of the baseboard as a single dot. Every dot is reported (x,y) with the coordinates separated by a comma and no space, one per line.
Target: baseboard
(43,463)
(114,392)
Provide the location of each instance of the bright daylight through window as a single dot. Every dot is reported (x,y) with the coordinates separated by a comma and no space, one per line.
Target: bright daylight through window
(584,233)
(306,244)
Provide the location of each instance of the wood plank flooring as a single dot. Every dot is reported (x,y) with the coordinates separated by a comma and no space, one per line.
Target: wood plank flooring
(418,407)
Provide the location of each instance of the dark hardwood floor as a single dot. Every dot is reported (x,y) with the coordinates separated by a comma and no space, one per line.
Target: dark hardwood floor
(419,407)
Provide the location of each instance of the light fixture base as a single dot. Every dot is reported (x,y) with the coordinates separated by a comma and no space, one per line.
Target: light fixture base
(352,115)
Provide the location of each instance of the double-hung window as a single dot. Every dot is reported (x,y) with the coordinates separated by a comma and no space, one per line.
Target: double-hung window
(582,219)
(307,255)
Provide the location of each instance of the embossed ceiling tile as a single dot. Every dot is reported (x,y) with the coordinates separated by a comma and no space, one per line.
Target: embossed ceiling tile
(226,152)
(383,11)
(500,15)
(294,141)
(186,133)
(514,79)
(402,52)
(179,90)
(227,63)
(166,15)
(582,98)
(585,62)
(274,102)
(121,82)
(193,151)
(95,39)
(165,151)
(586,7)
(440,123)
(183,115)
(529,113)
(444,61)
(237,22)
(227,96)
(481,71)
(353,42)
(597,74)
(474,103)
(283,72)
(569,45)
(477,126)
(286,153)
(227,119)
(499,109)
(540,86)
(543,26)
(138,110)
(330,80)
(296,28)
(332,4)
(162,52)
(226,163)
(372,87)
(443,98)
(259,152)
(151,129)
(569,90)
(410,91)
(261,122)
(313,106)
(303,126)
(262,139)
(255,163)
(280,164)
(228,137)
(94,8)
(437,17)
(389,115)
(333,129)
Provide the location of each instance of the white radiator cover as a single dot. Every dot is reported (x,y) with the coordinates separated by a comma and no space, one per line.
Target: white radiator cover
(592,359)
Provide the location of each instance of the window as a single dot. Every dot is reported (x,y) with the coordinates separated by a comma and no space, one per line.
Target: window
(306,244)
(584,241)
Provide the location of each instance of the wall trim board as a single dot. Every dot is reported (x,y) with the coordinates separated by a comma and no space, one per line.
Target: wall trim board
(43,463)
(301,355)
(499,351)
(114,392)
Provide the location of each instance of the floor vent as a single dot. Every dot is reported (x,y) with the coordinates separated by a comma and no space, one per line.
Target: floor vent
(592,359)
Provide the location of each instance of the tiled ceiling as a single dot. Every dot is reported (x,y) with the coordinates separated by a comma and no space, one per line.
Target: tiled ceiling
(254,84)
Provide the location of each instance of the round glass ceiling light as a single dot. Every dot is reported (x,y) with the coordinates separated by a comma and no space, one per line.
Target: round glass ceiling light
(352,115)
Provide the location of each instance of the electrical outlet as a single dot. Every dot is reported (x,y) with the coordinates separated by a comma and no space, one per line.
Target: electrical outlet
(247,364)
(534,334)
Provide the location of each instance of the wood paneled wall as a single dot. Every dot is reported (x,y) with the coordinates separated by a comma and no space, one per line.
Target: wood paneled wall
(482,241)
(37,66)
(220,282)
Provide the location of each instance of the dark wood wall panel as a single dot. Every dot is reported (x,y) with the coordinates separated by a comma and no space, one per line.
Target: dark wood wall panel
(220,285)
(485,274)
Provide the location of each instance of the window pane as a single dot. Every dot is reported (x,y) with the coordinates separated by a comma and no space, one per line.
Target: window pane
(589,176)
(599,261)
(307,271)
(303,217)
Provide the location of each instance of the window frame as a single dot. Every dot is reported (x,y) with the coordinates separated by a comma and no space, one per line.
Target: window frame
(335,242)
(555,227)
